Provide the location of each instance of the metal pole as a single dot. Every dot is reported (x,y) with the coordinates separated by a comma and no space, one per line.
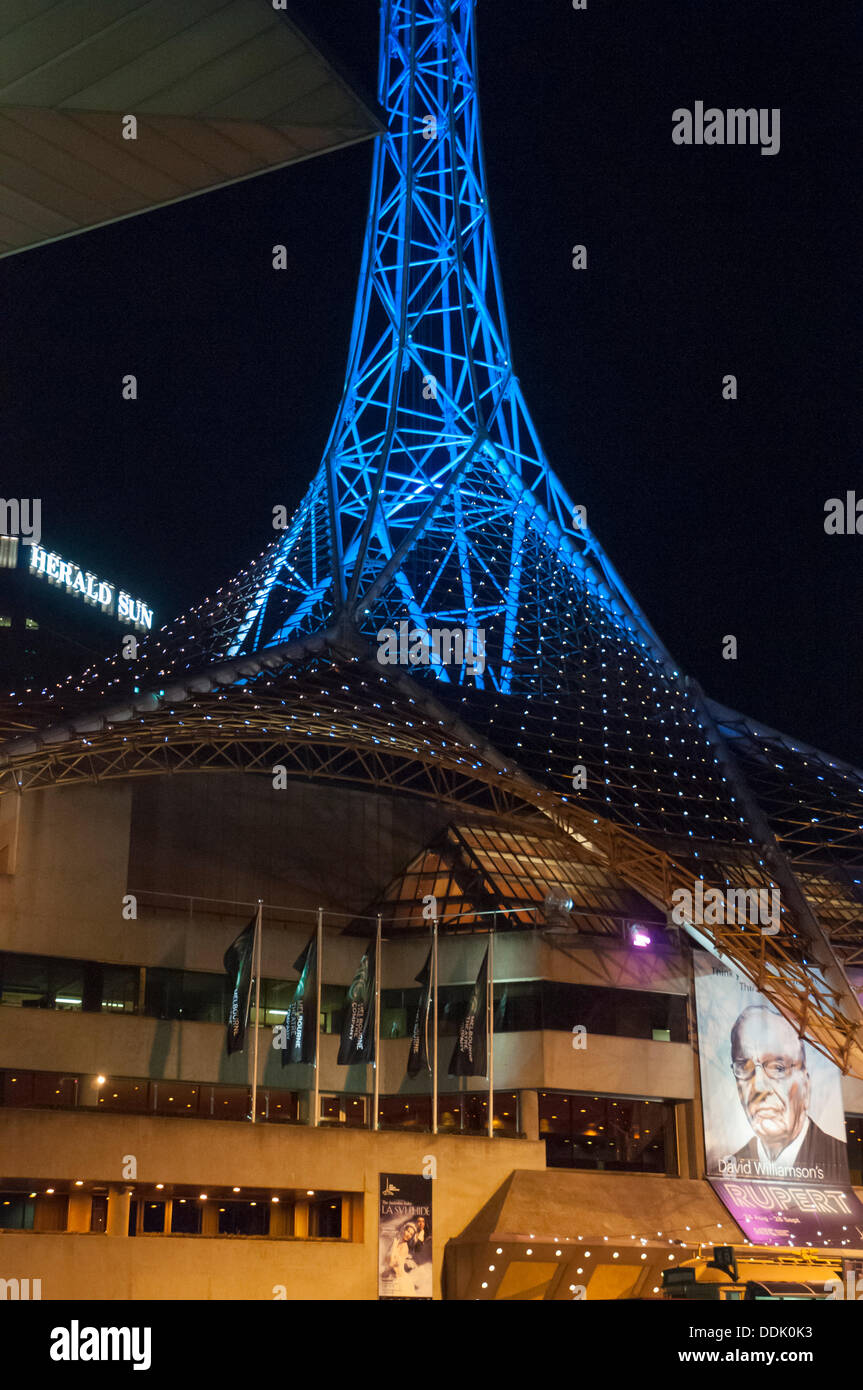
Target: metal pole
(257,969)
(490,1026)
(319,952)
(434,1030)
(377,1022)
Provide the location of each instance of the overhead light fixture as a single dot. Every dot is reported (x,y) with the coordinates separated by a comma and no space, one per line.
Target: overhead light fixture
(639,937)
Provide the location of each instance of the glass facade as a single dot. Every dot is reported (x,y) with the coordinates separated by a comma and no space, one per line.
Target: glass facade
(608,1133)
(195,996)
(465,1113)
(130,1095)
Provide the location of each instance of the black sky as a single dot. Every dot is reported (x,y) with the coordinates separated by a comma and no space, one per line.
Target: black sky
(701,262)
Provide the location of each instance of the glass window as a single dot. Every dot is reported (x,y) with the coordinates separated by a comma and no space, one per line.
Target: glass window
(190,995)
(119,993)
(276,997)
(332,1007)
(179,1098)
(99,1213)
(228,1102)
(345,1110)
(325,1218)
(185,1217)
(204,997)
(152,1217)
(17,1210)
(398,1011)
(355,1111)
(622,1013)
(41,982)
(330,1108)
(120,1094)
(405,1112)
(244,1218)
(281,1105)
(607,1133)
(518,1006)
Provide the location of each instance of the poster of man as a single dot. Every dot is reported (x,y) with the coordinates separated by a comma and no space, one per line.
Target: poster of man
(772,1104)
(774,1124)
(405,1236)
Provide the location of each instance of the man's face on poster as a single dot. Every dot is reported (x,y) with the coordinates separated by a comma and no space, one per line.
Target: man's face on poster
(772,1081)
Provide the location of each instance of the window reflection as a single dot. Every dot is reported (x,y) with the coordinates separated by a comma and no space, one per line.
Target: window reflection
(608,1133)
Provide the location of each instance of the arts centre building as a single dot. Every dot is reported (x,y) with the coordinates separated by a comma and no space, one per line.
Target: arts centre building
(403,922)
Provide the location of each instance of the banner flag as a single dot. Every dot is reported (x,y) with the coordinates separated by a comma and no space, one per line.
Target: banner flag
(301,1019)
(357,1041)
(238,966)
(469,1056)
(418,1057)
(774,1123)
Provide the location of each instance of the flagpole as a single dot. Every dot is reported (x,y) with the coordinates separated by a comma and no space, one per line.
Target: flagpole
(377,1093)
(320,947)
(434,1031)
(257,956)
(490,1013)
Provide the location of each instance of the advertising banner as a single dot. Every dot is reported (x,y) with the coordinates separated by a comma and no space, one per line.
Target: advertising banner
(301,1020)
(238,967)
(405,1236)
(774,1125)
(470,1054)
(357,1042)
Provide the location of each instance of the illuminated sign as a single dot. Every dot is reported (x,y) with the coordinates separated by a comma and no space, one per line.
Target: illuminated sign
(91,588)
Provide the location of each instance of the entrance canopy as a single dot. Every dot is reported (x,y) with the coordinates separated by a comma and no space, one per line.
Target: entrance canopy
(550,1234)
(219,92)
(559,1235)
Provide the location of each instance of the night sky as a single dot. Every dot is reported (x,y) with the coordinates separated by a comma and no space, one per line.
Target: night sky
(702,261)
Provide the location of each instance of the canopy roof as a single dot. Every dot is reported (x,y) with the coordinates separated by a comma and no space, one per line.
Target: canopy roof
(220,92)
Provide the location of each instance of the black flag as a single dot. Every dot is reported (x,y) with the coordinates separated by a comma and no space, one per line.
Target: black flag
(469,1053)
(418,1057)
(238,964)
(358,1037)
(301,1019)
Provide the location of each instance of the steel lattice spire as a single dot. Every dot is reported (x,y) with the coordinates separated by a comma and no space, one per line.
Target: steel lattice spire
(433,474)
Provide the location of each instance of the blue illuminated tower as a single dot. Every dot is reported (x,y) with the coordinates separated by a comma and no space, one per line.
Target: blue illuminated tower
(434,505)
(434,498)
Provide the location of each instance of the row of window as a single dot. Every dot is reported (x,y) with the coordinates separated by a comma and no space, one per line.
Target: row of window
(46,982)
(580,1131)
(465,1113)
(609,1133)
(186,1216)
